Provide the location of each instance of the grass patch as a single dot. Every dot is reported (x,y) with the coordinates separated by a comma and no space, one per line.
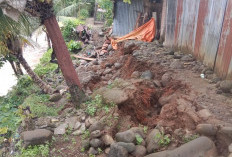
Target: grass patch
(38,106)
(45,67)
(35,151)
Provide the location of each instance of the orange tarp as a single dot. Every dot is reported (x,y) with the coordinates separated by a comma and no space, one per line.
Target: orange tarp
(144,33)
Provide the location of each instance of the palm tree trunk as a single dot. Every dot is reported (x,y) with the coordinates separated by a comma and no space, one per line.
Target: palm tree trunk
(19,69)
(13,67)
(64,60)
(46,88)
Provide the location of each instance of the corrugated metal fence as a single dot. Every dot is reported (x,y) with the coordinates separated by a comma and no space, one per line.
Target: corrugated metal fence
(204,28)
(125,16)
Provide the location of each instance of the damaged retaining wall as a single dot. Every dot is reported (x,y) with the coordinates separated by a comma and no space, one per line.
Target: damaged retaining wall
(204,28)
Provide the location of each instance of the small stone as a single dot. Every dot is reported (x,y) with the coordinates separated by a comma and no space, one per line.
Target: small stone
(61,129)
(96,126)
(117,151)
(206,129)
(138,130)
(204,114)
(135,74)
(83,118)
(230,148)
(77,125)
(140,151)
(96,134)
(107,150)
(166,78)
(126,136)
(166,99)
(187,58)
(176,64)
(35,137)
(147,75)
(107,71)
(92,151)
(107,139)
(130,147)
(85,144)
(77,133)
(101,34)
(117,65)
(55,97)
(96,143)
(89,121)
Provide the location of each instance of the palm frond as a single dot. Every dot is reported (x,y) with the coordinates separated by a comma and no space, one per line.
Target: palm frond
(69,11)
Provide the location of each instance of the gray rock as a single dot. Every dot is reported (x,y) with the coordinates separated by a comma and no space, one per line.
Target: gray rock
(77,125)
(92,151)
(61,87)
(166,78)
(71,122)
(206,129)
(117,151)
(85,144)
(157,83)
(135,74)
(147,75)
(226,86)
(110,48)
(96,143)
(176,64)
(35,137)
(77,133)
(96,134)
(115,95)
(138,130)
(55,97)
(126,136)
(107,150)
(107,71)
(224,135)
(96,126)
(61,129)
(187,58)
(166,99)
(230,148)
(107,139)
(130,147)
(140,151)
(230,155)
(117,65)
(204,114)
(200,147)
(89,121)
(152,141)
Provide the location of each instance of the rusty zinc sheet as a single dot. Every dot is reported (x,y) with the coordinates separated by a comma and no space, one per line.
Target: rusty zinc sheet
(170,23)
(125,16)
(209,26)
(223,61)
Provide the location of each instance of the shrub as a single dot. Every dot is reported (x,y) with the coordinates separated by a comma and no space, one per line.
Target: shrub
(74,46)
(68,30)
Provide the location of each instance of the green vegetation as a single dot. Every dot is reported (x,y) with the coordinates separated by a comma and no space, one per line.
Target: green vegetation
(35,151)
(67,30)
(38,107)
(74,46)
(163,140)
(108,6)
(45,67)
(10,116)
(97,103)
(187,139)
(86,134)
(139,139)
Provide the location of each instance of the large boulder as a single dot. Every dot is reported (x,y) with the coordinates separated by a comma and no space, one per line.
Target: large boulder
(35,137)
(117,151)
(200,147)
(206,129)
(226,86)
(126,136)
(115,95)
(140,151)
(152,141)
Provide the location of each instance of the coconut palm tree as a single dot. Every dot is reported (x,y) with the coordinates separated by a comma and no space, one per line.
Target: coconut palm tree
(44,10)
(11,45)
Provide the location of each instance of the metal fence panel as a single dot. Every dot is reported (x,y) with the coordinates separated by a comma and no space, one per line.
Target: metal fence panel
(223,62)
(125,16)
